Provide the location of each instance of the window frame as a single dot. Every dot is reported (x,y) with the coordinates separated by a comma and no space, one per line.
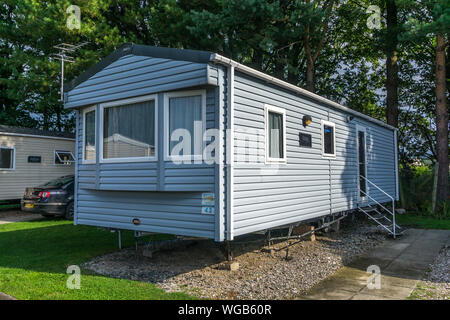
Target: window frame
(85,111)
(180,94)
(13,158)
(119,103)
(360,128)
(324,123)
(269,108)
(62,164)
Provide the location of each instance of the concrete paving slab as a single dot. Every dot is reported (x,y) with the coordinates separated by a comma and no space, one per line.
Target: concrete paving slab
(402,263)
(387,281)
(405,270)
(364,262)
(427,257)
(389,291)
(4,296)
(363,296)
(352,273)
(337,294)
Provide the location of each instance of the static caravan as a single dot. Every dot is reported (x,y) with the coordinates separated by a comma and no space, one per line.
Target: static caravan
(30,157)
(192,143)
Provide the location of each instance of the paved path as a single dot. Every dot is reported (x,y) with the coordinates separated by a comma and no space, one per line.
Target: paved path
(17,216)
(4,296)
(402,264)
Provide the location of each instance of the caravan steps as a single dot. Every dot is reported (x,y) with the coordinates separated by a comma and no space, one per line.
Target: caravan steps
(383,218)
(376,211)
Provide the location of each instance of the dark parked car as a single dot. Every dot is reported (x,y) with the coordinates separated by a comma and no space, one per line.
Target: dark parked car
(54,198)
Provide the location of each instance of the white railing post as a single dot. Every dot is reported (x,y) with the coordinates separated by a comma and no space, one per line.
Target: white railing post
(393,217)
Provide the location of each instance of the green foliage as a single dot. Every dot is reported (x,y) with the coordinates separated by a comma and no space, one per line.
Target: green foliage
(35,256)
(422,222)
(268,35)
(416,185)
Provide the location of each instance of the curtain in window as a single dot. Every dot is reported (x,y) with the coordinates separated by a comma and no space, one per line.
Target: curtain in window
(6,158)
(328,133)
(89,136)
(276,135)
(183,112)
(129,131)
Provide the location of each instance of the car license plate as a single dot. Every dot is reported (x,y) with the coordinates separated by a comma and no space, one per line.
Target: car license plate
(29,205)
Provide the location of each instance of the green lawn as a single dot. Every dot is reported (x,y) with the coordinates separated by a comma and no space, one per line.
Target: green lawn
(422,222)
(34,257)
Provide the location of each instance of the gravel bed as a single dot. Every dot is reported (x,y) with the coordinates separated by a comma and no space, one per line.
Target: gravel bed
(436,283)
(261,275)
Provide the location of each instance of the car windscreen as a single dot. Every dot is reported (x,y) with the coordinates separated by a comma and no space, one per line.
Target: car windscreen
(58,182)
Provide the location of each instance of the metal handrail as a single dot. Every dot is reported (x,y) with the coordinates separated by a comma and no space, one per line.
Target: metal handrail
(377,187)
(394,226)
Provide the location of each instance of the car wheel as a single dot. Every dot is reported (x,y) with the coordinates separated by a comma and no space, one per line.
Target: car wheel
(69,211)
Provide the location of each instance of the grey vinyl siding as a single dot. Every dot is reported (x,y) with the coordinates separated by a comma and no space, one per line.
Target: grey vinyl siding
(308,185)
(14,182)
(132,76)
(164,212)
(165,196)
(380,161)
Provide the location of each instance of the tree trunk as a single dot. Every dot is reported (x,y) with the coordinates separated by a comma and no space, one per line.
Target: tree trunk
(392,65)
(310,75)
(441,120)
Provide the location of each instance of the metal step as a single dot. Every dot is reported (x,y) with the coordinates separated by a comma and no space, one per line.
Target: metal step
(368,209)
(382,220)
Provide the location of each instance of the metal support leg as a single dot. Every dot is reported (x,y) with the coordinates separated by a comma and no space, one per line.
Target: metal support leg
(269,239)
(119,233)
(228,251)
(287,239)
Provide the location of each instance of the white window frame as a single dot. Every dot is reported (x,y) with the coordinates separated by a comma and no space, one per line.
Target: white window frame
(14,158)
(62,164)
(269,108)
(180,94)
(85,111)
(122,102)
(324,123)
(362,129)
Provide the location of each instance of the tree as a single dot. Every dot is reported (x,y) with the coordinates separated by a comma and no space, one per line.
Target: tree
(392,63)
(432,18)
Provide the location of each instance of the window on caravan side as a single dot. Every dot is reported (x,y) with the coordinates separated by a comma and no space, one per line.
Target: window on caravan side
(129,131)
(6,158)
(65,158)
(328,139)
(185,122)
(89,135)
(275,134)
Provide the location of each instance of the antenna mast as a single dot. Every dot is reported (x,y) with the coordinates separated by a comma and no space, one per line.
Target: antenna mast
(64,50)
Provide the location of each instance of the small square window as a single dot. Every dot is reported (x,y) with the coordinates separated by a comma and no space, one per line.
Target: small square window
(7,157)
(328,139)
(65,158)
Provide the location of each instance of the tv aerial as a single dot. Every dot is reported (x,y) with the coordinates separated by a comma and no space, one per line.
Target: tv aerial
(65,54)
